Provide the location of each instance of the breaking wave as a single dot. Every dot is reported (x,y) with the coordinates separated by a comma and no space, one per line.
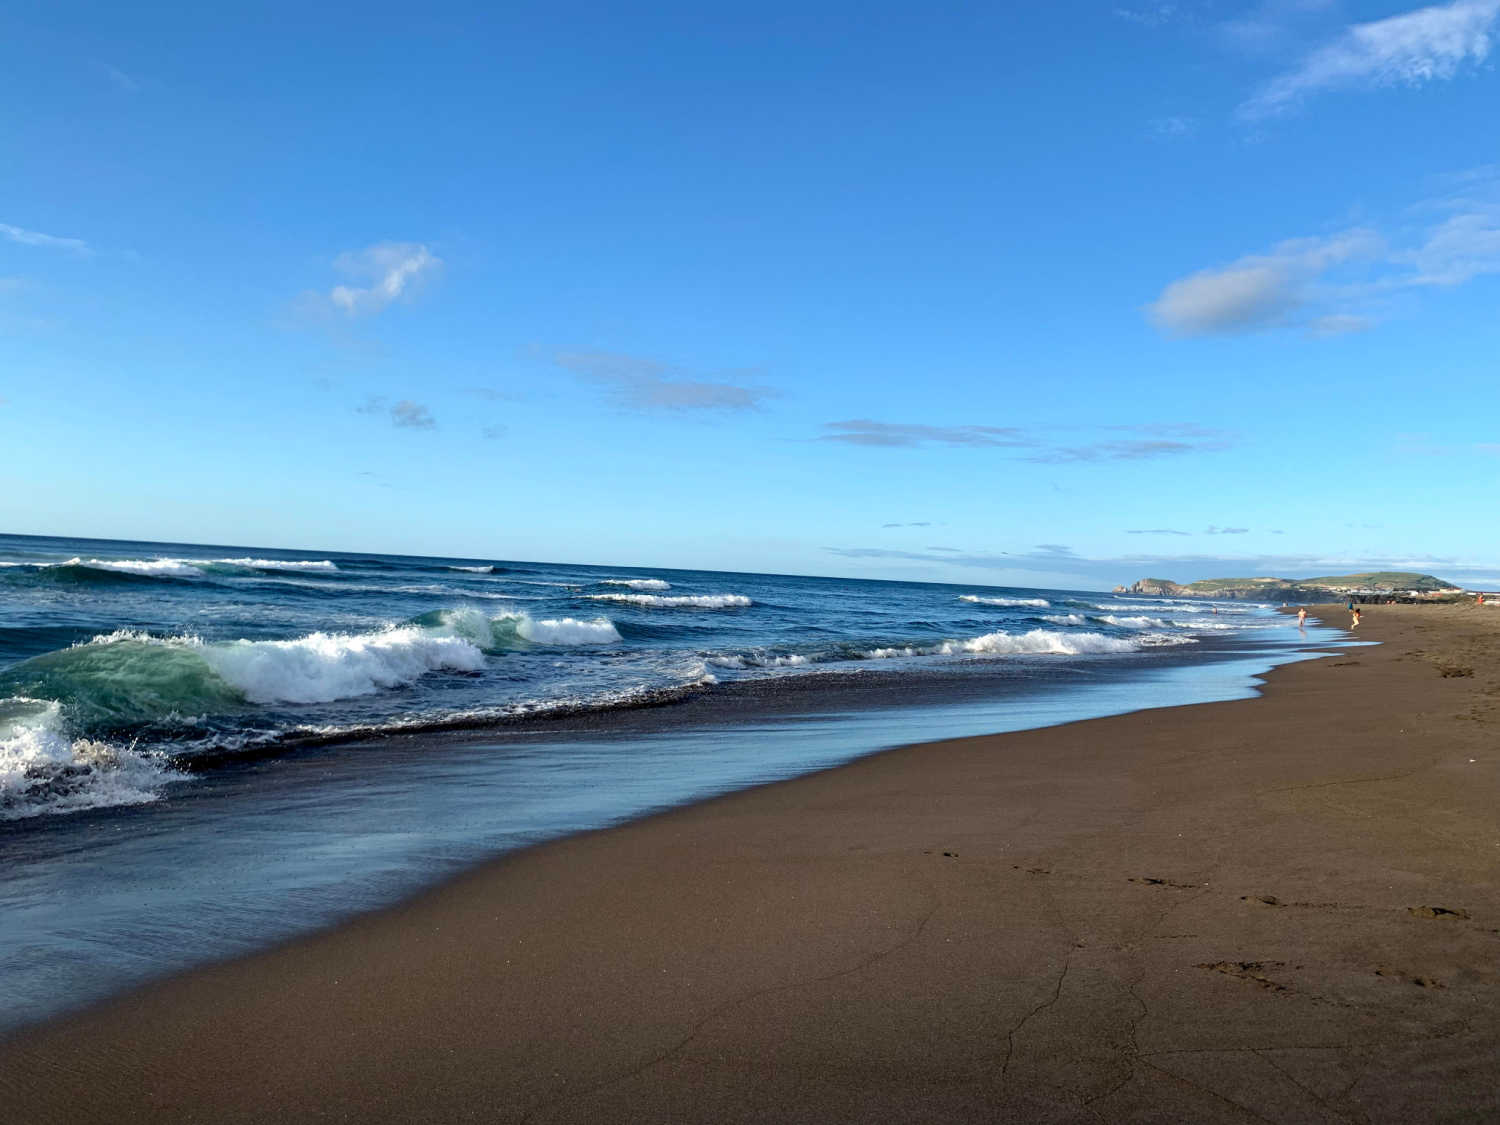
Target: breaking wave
(43,769)
(127,677)
(758,660)
(676,601)
(1036,603)
(638,583)
(1038,642)
(490,569)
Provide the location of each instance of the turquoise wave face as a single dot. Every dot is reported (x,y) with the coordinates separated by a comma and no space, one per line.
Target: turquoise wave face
(120,682)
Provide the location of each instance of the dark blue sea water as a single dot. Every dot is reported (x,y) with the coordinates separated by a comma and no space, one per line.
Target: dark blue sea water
(204,749)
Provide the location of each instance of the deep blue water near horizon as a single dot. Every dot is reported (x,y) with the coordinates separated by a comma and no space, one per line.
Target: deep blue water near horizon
(207,749)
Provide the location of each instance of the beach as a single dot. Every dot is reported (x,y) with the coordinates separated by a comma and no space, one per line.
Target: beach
(1284,908)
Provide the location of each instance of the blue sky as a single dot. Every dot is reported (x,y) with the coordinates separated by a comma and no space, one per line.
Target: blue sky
(1060,294)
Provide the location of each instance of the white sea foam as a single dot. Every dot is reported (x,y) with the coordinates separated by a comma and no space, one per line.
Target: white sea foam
(1038,603)
(638,583)
(155,568)
(1039,641)
(1063,618)
(270,564)
(568,631)
(193,568)
(490,569)
(322,667)
(1136,622)
(676,601)
(758,660)
(45,770)
(488,632)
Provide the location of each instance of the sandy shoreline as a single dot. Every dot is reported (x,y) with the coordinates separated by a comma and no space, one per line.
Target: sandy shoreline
(1285,908)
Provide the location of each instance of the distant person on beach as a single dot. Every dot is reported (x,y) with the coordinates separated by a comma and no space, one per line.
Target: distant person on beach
(1302,618)
(1354,613)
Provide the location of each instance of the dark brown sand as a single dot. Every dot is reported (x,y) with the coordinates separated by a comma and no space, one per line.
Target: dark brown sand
(1280,909)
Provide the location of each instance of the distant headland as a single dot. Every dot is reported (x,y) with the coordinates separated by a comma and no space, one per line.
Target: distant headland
(1404,585)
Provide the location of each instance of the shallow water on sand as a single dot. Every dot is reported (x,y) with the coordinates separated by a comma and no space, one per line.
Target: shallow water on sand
(262,849)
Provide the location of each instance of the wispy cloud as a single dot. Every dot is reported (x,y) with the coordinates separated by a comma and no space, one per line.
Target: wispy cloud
(412,415)
(1173,128)
(1149,15)
(1257,290)
(922,524)
(1414,48)
(404,414)
(123,82)
(390,269)
(863,431)
(1330,286)
(1158,439)
(1338,324)
(647,384)
(1158,531)
(1226,531)
(1149,440)
(48,241)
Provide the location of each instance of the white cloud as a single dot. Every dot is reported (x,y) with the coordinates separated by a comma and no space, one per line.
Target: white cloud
(1411,49)
(391,269)
(36,238)
(1258,290)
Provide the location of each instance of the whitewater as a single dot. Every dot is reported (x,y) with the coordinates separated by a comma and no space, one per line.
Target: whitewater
(127,669)
(207,748)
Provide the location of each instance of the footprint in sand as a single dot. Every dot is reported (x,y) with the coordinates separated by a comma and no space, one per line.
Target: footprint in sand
(1252,971)
(1435,912)
(1420,982)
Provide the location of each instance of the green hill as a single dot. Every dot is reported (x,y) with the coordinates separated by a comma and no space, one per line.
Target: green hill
(1396,583)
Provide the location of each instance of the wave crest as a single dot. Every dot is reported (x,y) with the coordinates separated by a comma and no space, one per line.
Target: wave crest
(676,601)
(1034,603)
(43,769)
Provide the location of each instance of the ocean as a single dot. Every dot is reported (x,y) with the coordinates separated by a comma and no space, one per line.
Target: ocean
(205,749)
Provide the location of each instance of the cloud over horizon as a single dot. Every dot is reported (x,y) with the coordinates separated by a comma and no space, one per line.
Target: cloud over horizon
(864,431)
(1156,439)
(1050,561)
